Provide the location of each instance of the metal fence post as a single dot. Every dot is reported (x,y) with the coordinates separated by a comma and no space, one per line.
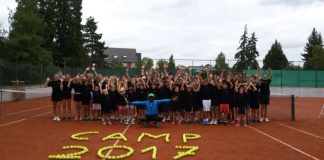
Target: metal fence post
(293,107)
(316,78)
(41,77)
(30,76)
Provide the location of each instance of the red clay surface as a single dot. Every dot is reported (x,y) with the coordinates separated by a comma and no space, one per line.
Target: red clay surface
(28,132)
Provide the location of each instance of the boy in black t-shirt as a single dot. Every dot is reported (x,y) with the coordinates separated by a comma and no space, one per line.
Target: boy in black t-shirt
(265,94)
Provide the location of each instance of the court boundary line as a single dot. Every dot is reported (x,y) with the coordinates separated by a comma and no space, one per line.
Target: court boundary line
(284,143)
(117,141)
(24,119)
(27,110)
(299,130)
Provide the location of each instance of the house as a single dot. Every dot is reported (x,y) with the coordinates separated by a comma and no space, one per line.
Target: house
(127,56)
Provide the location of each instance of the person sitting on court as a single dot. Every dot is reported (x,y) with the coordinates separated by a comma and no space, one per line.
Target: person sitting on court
(151,107)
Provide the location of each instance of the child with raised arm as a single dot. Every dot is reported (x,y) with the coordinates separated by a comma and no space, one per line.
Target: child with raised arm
(265,94)
(151,107)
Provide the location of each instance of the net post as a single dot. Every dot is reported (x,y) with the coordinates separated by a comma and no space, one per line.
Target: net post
(293,107)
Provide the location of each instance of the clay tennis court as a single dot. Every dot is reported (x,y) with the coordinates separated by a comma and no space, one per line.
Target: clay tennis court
(27,131)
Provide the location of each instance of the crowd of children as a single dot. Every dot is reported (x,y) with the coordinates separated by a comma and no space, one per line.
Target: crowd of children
(201,98)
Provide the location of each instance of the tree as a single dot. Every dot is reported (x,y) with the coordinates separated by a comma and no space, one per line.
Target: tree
(148,62)
(317,59)
(25,39)
(161,63)
(292,66)
(171,64)
(276,59)
(116,63)
(240,56)
(93,46)
(315,39)
(2,42)
(47,12)
(252,53)
(68,42)
(221,62)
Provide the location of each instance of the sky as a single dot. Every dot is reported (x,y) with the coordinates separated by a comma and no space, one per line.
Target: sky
(200,29)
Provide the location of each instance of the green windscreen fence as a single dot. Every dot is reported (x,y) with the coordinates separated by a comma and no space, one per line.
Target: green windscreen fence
(294,78)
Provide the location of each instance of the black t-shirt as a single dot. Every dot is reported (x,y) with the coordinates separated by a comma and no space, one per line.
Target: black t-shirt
(130,96)
(77,88)
(66,90)
(96,97)
(164,92)
(241,99)
(86,92)
(265,87)
(56,90)
(206,91)
(225,96)
(141,94)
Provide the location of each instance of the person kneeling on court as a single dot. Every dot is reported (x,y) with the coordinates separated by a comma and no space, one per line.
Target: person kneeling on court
(151,107)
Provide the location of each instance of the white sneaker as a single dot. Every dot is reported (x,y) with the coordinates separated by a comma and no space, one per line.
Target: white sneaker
(109,122)
(211,122)
(215,122)
(58,118)
(266,119)
(104,123)
(164,119)
(261,119)
(126,121)
(54,118)
(133,121)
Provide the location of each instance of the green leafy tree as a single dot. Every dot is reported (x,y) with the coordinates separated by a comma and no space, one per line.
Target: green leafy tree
(276,59)
(25,39)
(148,62)
(115,63)
(2,42)
(69,48)
(161,63)
(241,55)
(221,62)
(315,39)
(92,43)
(317,59)
(171,64)
(292,66)
(47,12)
(252,53)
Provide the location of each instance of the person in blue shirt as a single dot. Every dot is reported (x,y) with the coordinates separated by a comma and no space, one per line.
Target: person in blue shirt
(151,108)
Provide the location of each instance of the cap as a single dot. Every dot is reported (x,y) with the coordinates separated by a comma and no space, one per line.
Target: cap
(151,95)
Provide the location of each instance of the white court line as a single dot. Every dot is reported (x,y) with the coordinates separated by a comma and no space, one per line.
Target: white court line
(284,143)
(299,130)
(24,119)
(117,141)
(27,110)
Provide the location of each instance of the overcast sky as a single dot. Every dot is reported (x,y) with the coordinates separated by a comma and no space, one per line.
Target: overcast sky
(200,29)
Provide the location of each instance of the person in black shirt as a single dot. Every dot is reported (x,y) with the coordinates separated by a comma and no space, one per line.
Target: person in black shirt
(254,99)
(66,97)
(96,102)
(77,97)
(175,105)
(206,94)
(57,87)
(131,97)
(265,94)
(86,99)
(241,103)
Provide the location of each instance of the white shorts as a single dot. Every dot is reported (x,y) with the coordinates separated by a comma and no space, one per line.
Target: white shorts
(130,106)
(96,106)
(206,105)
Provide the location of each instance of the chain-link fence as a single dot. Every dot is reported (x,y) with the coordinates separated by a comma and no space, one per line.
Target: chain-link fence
(29,75)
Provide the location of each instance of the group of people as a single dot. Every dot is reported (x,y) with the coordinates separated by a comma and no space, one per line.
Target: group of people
(157,95)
